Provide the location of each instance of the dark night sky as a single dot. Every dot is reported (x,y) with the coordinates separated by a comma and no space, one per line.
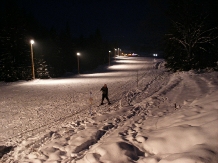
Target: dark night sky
(126,21)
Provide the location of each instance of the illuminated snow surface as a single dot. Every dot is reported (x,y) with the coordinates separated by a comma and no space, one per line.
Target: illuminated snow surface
(165,118)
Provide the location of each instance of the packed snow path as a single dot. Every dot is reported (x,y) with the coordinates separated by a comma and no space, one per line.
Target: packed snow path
(31,107)
(156,117)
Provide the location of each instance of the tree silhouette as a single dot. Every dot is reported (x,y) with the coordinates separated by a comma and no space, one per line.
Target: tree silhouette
(15,54)
(191,42)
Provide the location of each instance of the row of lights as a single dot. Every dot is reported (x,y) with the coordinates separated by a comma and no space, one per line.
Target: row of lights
(118,51)
(155,55)
(33,71)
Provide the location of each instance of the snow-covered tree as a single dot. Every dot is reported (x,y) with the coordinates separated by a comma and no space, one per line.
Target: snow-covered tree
(192,41)
(42,71)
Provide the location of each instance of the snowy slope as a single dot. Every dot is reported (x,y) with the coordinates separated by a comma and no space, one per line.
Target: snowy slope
(164,117)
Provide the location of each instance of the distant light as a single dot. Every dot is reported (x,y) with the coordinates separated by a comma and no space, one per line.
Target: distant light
(155,55)
(32,41)
(109,51)
(78,54)
(134,54)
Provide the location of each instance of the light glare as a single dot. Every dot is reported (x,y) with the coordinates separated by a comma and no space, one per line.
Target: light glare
(155,55)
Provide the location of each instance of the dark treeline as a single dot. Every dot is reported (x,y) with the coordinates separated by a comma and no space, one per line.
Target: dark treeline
(54,52)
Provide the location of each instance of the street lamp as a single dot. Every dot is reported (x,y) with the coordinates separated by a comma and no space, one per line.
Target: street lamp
(115,52)
(78,54)
(109,57)
(31,45)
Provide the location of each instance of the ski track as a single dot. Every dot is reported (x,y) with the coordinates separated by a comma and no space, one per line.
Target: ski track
(155,86)
(30,119)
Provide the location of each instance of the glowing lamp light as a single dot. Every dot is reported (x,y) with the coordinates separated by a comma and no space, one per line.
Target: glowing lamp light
(78,54)
(33,69)
(155,55)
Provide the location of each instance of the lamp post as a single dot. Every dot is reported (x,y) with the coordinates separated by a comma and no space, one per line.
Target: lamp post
(78,54)
(115,51)
(31,45)
(109,57)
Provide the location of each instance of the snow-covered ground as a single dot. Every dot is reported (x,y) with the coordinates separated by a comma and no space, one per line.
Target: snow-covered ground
(155,117)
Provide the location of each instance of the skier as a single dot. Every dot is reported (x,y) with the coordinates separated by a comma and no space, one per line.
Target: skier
(104,90)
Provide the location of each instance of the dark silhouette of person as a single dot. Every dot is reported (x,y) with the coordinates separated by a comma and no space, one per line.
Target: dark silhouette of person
(104,90)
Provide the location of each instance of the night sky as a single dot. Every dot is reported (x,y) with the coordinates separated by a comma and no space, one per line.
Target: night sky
(124,21)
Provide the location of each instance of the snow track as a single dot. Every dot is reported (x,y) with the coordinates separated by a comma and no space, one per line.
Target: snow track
(56,125)
(36,106)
